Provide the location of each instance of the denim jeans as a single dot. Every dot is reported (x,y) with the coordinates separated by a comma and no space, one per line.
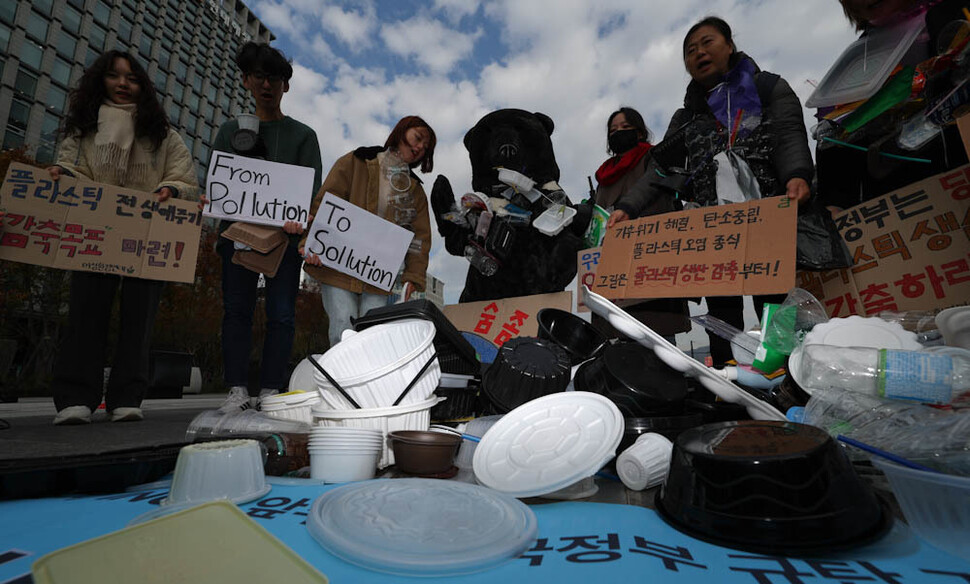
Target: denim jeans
(342,305)
(239,293)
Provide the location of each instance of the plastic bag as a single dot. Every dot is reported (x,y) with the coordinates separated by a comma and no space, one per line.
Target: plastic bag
(819,244)
(735,181)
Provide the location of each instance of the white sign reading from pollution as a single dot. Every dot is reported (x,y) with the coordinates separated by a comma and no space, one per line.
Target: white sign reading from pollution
(357,242)
(257,191)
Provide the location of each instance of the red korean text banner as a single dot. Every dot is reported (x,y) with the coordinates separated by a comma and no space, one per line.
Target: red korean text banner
(497,321)
(728,250)
(76,224)
(909,248)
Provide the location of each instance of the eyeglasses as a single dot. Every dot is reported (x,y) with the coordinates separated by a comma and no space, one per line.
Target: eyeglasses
(260,77)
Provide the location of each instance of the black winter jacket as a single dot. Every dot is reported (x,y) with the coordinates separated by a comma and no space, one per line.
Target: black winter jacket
(777,150)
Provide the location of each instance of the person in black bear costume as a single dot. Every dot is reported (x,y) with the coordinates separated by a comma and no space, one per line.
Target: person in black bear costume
(530,261)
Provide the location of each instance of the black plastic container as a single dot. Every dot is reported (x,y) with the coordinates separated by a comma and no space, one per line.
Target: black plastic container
(639,383)
(462,403)
(580,340)
(455,354)
(669,427)
(525,368)
(768,487)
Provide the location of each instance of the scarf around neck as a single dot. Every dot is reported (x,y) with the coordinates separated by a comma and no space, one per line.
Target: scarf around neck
(118,160)
(614,168)
(735,102)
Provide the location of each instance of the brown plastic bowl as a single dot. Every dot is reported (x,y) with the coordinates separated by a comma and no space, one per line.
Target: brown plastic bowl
(424,453)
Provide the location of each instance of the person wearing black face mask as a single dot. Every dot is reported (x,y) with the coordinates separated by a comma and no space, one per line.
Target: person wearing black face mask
(629,145)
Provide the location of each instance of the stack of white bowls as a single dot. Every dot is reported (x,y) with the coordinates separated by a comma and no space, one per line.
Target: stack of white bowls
(375,365)
(340,455)
(292,405)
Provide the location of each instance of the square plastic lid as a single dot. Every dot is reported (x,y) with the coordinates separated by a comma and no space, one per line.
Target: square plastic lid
(212,543)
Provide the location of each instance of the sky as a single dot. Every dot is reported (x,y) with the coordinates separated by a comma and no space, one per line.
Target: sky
(361,65)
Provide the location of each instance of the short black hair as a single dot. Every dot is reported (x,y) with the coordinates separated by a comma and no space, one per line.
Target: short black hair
(718,23)
(633,118)
(253,57)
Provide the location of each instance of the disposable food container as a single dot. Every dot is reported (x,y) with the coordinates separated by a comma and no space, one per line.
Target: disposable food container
(775,488)
(424,453)
(635,379)
(525,368)
(228,469)
(579,338)
(293,405)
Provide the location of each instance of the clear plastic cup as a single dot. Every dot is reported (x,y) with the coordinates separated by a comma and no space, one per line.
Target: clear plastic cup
(795,317)
(248,122)
(214,424)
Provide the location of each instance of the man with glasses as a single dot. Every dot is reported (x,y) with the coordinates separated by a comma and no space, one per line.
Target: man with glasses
(266,74)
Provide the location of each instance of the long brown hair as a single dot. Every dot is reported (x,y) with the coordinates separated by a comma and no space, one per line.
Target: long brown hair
(86,99)
(402,127)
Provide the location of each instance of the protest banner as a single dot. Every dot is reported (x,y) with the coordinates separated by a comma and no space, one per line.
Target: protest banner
(586,262)
(909,248)
(357,242)
(728,250)
(498,321)
(257,191)
(76,224)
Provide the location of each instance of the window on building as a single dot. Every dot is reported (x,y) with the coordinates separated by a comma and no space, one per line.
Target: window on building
(91,56)
(97,37)
(124,29)
(13,138)
(48,138)
(19,114)
(145,45)
(31,54)
(191,121)
(102,12)
(61,71)
(208,112)
(44,6)
(37,26)
(161,78)
(4,37)
(148,17)
(66,45)
(8,12)
(197,81)
(224,101)
(174,113)
(78,3)
(164,57)
(26,83)
(193,101)
(56,99)
(210,92)
(178,90)
(181,70)
(71,20)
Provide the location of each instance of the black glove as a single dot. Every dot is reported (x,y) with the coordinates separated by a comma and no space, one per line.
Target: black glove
(442,197)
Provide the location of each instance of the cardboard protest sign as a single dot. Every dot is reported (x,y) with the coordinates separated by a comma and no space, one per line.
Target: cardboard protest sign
(586,262)
(357,242)
(500,320)
(76,224)
(963,123)
(257,191)
(728,250)
(910,250)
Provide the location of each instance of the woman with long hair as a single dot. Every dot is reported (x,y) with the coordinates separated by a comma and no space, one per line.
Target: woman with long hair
(117,133)
(397,196)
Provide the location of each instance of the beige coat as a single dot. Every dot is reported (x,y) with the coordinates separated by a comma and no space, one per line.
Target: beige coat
(172,164)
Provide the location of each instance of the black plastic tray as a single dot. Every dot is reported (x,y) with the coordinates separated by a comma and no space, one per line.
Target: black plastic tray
(107,472)
(455,354)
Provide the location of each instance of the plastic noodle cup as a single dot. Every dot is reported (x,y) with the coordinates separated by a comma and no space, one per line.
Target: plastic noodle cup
(424,453)
(336,466)
(645,464)
(936,505)
(228,469)
(293,405)
(525,368)
(579,338)
(404,417)
(375,365)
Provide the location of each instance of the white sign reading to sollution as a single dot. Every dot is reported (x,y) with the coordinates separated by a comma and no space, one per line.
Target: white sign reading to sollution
(257,191)
(358,243)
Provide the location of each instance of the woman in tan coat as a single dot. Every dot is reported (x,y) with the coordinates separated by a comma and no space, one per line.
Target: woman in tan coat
(380,180)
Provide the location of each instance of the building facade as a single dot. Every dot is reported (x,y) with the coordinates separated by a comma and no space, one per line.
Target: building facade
(187,47)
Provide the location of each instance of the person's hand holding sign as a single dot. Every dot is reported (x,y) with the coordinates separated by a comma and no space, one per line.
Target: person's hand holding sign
(164,194)
(294,227)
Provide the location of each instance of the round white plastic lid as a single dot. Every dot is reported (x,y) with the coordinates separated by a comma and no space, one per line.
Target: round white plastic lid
(549,443)
(421,527)
(857,331)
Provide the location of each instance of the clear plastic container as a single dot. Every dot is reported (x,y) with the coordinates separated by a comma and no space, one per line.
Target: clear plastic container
(554,219)
(229,469)
(215,424)
(866,64)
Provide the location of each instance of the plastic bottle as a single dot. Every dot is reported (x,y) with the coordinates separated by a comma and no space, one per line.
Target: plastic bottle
(934,378)
(480,259)
(934,437)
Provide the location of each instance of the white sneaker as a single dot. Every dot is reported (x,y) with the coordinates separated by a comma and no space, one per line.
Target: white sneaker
(236,401)
(127,415)
(263,394)
(72,415)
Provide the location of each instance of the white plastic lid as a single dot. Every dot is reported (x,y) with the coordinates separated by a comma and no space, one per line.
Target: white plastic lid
(858,331)
(421,527)
(549,443)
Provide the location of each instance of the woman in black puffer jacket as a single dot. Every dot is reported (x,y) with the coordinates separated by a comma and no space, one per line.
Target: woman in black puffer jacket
(729,101)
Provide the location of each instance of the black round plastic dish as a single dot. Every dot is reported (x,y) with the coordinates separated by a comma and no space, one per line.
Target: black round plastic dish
(580,340)
(667,426)
(525,368)
(631,375)
(769,487)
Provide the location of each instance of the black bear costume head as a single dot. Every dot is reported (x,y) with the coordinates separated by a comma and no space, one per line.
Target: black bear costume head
(514,139)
